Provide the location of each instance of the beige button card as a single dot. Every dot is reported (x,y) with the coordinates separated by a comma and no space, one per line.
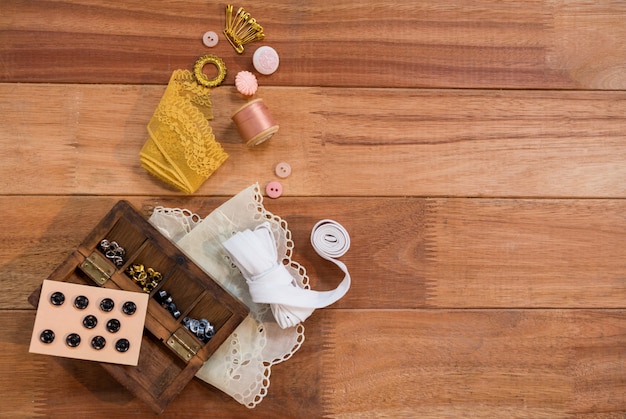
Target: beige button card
(89,322)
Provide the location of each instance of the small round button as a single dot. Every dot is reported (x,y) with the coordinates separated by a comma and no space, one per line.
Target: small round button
(282,170)
(210,39)
(265,60)
(90,321)
(274,189)
(47,336)
(72,340)
(129,308)
(122,345)
(106,305)
(57,298)
(113,325)
(98,342)
(81,302)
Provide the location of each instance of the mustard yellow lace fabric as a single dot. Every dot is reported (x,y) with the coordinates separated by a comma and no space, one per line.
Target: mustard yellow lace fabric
(182,150)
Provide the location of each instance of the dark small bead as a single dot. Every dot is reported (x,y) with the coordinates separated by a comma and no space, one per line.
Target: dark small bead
(122,345)
(164,298)
(81,302)
(47,336)
(57,298)
(107,304)
(90,321)
(98,342)
(72,340)
(129,308)
(113,325)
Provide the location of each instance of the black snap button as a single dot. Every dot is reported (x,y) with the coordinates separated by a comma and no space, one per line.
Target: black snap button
(90,321)
(122,345)
(107,305)
(72,340)
(57,298)
(129,308)
(113,325)
(47,336)
(98,342)
(81,302)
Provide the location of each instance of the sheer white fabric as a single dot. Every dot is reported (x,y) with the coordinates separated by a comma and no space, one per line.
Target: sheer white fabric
(241,367)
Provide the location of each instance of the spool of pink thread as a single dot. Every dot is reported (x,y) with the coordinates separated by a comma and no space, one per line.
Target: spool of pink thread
(254,122)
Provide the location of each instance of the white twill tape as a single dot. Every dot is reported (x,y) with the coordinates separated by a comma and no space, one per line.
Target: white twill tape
(330,239)
(269,282)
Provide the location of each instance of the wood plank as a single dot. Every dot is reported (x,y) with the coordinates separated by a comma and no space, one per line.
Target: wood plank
(85,139)
(406,252)
(494,363)
(372,363)
(468,44)
(473,149)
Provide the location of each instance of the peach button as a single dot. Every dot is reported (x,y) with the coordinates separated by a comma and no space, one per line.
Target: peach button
(274,189)
(210,39)
(265,60)
(282,170)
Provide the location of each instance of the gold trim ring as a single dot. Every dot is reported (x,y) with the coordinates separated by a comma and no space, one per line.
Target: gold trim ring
(202,78)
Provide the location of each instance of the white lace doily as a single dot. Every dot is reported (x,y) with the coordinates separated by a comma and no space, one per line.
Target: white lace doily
(241,367)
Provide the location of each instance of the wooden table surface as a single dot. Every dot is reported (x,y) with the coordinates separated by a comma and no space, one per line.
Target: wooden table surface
(475,151)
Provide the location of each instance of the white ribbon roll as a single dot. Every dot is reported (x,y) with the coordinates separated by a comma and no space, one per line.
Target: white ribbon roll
(255,254)
(330,239)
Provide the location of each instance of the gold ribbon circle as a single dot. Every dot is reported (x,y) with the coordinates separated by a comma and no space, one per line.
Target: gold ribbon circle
(202,78)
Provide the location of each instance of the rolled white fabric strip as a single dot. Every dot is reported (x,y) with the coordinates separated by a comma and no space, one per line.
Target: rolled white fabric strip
(269,282)
(330,239)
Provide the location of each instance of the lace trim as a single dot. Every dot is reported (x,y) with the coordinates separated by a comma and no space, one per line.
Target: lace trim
(241,367)
(177,110)
(280,228)
(182,149)
(185,217)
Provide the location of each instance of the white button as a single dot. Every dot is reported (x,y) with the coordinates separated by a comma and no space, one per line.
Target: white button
(282,170)
(210,39)
(265,60)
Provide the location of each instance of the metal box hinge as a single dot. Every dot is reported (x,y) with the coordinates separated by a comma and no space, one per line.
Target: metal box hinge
(183,344)
(98,268)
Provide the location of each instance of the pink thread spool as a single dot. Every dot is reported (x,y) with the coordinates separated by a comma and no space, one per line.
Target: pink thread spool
(254,122)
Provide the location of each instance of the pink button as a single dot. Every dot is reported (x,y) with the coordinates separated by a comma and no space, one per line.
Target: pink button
(282,170)
(274,189)
(265,60)
(210,39)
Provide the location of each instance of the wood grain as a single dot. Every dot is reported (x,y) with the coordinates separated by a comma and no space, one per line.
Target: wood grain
(466,44)
(399,363)
(339,142)
(473,149)
(406,252)
(509,363)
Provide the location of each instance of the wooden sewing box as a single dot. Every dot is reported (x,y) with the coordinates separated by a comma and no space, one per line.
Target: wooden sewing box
(170,354)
